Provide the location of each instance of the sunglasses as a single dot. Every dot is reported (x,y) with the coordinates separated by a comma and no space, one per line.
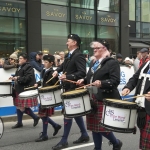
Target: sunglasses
(11,58)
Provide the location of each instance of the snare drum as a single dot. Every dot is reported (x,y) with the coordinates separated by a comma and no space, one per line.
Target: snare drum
(27,99)
(6,88)
(76,103)
(119,116)
(50,96)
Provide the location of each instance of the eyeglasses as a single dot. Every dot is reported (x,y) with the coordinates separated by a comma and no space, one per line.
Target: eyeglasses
(97,48)
(11,58)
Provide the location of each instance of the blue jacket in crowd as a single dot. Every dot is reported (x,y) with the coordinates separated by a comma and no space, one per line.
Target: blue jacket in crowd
(34,63)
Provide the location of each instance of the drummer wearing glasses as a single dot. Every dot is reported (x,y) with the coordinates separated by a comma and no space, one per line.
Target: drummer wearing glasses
(24,77)
(74,66)
(104,73)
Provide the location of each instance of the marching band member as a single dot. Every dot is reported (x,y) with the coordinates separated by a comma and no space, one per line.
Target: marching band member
(105,75)
(24,77)
(141,80)
(75,67)
(44,113)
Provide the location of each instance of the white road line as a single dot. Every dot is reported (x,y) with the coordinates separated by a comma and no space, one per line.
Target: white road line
(79,146)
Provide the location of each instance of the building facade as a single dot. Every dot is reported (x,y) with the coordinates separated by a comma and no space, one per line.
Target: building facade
(32,25)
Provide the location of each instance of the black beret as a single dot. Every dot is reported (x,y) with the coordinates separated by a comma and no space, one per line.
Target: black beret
(118,56)
(143,50)
(75,37)
(105,43)
(40,53)
(49,58)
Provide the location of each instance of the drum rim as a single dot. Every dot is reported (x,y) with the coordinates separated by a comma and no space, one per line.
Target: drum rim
(31,94)
(44,90)
(54,105)
(120,130)
(74,95)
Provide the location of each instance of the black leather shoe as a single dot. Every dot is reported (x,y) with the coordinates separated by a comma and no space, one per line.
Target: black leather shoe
(60,146)
(118,146)
(42,138)
(56,129)
(82,140)
(18,125)
(36,121)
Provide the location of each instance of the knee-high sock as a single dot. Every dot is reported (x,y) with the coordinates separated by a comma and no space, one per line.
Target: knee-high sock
(50,121)
(110,136)
(19,116)
(97,138)
(80,123)
(67,127)
(45,125)
(29,112)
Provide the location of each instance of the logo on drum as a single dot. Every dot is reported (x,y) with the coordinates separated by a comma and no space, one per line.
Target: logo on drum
(70,105)
(115,116)
(47,98)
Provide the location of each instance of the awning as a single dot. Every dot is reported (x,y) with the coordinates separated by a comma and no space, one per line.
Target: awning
(138,45)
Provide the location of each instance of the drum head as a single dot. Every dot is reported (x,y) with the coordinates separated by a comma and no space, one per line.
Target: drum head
(121,103)
(74,93)
(1,128)
(28,93)
(49,88)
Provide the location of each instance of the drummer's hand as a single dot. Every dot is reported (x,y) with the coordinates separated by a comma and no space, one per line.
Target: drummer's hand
(11,78)
(97,83)
(15,78)
(35,85)
(80,81)
(55,74)
(125,92)
(62,77)
(147,96)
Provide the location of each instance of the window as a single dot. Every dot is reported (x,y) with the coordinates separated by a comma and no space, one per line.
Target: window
(54,36)
(108,5)
(132,10)
(83,3)
(57,2)
(145,10)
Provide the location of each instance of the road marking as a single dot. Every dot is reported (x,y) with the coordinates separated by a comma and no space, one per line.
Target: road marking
(79,146)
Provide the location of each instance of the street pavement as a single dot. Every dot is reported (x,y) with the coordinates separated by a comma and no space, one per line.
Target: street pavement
(24,138)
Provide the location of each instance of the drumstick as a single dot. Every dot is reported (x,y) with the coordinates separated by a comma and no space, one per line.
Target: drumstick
(83,87)
(59,80)
(134,97)
(50,79)
(70,81)
(31,87)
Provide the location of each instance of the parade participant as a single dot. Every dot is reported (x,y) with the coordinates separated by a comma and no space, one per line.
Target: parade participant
(44,113)
(24,77)
(75,68)
(105,75)
(141,80)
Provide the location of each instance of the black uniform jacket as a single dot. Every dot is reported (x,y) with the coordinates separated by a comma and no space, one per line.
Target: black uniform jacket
(75,68)
(134,81)
(109,75)
(26,77)
(46,76)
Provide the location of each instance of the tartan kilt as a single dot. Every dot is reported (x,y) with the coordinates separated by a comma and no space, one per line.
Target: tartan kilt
(145,135)
(44,112)
(25,102)
(93,120)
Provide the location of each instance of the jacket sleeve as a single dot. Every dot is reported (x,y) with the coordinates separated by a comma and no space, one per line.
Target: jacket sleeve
(114,76)
(36,66)
(27,77)
(80,64)
(6,66)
